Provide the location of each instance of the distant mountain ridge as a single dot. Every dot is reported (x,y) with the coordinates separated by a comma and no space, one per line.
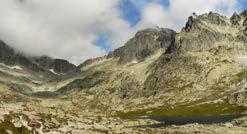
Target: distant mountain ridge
(10,57)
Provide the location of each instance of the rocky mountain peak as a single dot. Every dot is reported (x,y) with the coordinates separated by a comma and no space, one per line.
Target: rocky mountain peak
(235,19)
(202,32)
(143,44)
(214,18)
(43,64)
(195,22)
(192,24)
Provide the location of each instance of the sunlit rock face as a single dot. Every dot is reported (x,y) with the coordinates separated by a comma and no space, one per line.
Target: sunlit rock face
(204,31)
(144,44)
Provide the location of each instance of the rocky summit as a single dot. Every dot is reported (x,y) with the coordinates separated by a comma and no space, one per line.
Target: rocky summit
(160,81)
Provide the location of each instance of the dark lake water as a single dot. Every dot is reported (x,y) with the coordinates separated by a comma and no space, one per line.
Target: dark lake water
(166,121)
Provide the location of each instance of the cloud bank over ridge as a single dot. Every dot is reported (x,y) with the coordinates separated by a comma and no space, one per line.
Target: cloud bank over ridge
(68,29)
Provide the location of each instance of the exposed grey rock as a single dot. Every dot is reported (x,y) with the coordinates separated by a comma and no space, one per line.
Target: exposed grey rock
(6,54)
(41,64)
(90,61)
(58,65)
(44,61)
(85,83)
(235,19)
(191,24)
(245,31)
(203,41)
(19,88)
(144,44)
(198,36)
(214,18)
(63,66)
(245,22)
(244,13)
(9,57)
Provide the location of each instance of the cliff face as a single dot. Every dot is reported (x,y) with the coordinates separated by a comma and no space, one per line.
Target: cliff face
(207,61)
(63,66)
(144,44)
(202,32)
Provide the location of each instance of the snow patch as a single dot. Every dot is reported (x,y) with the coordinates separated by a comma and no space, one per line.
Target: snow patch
(52,70)
(134,62)
(11,67)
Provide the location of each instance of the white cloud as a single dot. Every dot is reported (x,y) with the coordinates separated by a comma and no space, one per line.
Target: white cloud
(68,28)
(61,28)
(178,11)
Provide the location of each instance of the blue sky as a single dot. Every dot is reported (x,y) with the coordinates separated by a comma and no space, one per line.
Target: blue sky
(81,29)
(242,4)
(131,11)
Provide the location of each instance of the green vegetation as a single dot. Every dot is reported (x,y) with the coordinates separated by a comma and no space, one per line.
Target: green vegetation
(187,111)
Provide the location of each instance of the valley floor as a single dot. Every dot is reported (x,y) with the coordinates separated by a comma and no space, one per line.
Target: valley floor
(23,115)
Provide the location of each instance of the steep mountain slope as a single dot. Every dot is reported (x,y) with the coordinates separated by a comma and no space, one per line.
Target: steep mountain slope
(204,63)
(25,74)
(209,61)
(120,75)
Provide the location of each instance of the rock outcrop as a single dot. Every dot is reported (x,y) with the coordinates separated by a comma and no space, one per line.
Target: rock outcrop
(235,19)
(244,13)
(197,35)
(245,22)
(63,66)
(43,64)
(144,44)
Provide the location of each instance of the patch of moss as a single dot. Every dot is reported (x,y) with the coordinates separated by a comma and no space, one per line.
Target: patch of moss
(187,111)
(200,110)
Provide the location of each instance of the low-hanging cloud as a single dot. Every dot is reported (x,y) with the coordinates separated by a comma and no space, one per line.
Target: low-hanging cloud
(68,28)
(175,15)
(61,28)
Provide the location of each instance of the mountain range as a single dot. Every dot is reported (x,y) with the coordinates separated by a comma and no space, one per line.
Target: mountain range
(159,76)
